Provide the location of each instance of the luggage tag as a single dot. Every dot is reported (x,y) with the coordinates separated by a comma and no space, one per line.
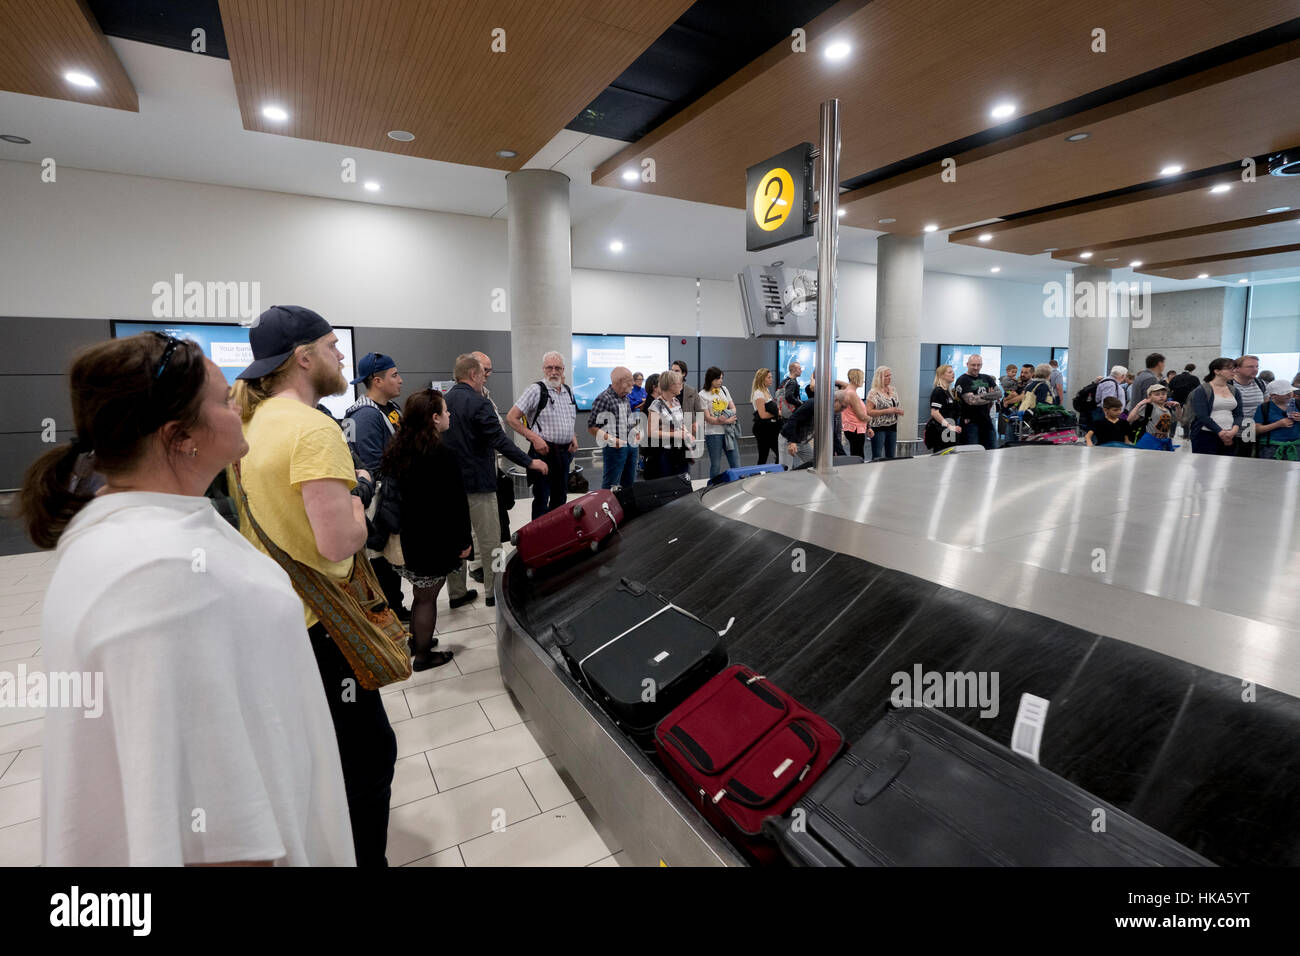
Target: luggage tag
(1031,718)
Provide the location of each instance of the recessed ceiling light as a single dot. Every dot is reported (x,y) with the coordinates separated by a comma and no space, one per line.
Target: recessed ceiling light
(1077,137)
(1203,275)
(1003,110)
(985,236)
(630,175)
(616,246)
(841,211)
(1111,259)
(837,50)
(1171,170)
(401,135)
(1274,209)
(1050,249)
(372,186)
(507,153)
(13,138)
(1085,255)
(886,221)
(931,227)
(1135,263)
(996,269)
(1242,281)
(1221,188)
(80,79)
(274,113)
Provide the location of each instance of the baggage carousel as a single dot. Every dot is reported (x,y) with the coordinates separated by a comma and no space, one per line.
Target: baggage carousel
(1153,599)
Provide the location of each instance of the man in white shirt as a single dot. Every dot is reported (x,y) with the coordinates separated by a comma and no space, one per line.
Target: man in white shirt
(545,414)
(1246,376)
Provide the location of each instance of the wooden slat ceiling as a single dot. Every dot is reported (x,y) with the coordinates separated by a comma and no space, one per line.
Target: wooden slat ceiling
(348,71)
(1242,235)
(41,40)
(1278,257)
(922,75)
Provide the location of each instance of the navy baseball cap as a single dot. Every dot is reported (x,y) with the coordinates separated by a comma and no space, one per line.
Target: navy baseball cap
(371,363)
(279,330)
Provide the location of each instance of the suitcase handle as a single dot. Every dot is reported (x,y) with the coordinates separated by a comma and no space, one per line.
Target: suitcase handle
(881,777)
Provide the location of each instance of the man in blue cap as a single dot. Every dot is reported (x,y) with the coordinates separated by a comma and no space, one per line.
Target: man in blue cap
(370,424)
(299,478)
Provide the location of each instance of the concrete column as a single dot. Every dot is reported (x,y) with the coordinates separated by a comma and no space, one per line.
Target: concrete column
(900,263)
(541,274)
(1089,304)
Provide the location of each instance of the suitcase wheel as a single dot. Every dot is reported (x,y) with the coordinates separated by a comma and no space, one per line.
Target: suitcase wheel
(577,511)
(528,573)
(514,539)
(595,546)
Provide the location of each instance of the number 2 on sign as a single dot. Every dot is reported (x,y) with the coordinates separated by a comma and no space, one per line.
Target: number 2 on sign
(771,208)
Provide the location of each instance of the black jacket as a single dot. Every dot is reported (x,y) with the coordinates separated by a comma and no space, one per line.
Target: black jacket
(475,436)
(434,514)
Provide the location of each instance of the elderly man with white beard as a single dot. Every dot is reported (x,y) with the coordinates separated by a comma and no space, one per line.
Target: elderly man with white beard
(545,414)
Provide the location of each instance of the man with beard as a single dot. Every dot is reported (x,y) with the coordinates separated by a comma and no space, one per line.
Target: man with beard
(299,478)
(549,408)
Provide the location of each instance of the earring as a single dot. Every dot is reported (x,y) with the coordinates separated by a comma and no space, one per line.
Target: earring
(194,452)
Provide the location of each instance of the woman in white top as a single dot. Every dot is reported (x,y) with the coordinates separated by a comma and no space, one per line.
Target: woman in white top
(767,422)
(885,411)
(201,734)
(720,434)
(667,429)
(1216,411)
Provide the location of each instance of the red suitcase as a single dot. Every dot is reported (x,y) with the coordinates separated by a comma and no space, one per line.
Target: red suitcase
(744,750)
(581,523)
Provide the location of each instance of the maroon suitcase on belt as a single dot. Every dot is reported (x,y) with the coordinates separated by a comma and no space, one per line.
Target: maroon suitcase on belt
(744,750)
(580,523)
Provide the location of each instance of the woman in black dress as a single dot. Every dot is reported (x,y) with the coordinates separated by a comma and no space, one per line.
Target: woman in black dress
(433,515)
(942,429)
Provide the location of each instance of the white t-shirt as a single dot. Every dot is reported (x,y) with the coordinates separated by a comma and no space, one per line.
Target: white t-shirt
(213,714)
(717,403)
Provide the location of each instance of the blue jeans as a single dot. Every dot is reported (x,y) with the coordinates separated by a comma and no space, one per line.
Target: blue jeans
(619,466)
(716,444)
(980,431)
(884,443)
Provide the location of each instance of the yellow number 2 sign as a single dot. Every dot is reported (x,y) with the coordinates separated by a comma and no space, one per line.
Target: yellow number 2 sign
(773,200)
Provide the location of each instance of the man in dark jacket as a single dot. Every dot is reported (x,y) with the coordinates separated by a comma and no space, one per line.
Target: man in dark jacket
(475,436)
(1181,387)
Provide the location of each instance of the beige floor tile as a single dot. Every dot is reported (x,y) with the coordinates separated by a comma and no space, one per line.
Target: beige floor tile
(11,622)
(18,715)
(6,760)
(18,603)
(28,560)
(445,820)
(20,844)
(608,861)
(546,785)
(459,763)
(481,636)
(477,659)
(450,857)
(412,780)
(26,767)
(37,576)
(395,704)
(20,803)
(420,678)
(20,635)
(501,710)
(474,615)
(428,698)
(560,837)
(18,652)
(441,728)
(22,736)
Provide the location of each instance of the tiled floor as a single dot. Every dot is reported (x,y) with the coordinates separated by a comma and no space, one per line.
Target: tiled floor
(472,786)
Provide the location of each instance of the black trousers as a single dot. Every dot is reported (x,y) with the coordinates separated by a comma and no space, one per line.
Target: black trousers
(767,433)
(390,582)
(551,491)
(857,443)
(367,748)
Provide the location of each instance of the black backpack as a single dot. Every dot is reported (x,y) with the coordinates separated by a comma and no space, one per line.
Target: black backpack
(1085,401)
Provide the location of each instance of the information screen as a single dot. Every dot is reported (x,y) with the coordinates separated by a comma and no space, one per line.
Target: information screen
(227,345)
(847,355)
(595,356)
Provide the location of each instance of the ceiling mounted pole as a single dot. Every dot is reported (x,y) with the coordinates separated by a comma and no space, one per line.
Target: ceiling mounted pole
(828,239)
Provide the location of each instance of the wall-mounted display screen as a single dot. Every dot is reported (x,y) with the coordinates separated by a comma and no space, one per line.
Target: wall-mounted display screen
(956,356)
(847,355)
(595,356)
(227,345)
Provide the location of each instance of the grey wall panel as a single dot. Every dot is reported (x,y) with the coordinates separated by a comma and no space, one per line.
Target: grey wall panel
(26,400)
(434,348)
(737,354)
(17,451)
(1117,357)
(45,346)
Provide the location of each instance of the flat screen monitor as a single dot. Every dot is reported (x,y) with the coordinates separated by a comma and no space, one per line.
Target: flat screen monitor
(226,343)
(595,356)
(956,356)
(847,355)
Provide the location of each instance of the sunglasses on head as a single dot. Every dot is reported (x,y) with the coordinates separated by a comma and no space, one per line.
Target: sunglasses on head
(172,345)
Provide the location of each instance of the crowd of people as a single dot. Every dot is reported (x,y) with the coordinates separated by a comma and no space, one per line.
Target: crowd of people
(198,616)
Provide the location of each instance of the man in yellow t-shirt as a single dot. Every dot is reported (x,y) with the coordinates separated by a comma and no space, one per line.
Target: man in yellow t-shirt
(298,475)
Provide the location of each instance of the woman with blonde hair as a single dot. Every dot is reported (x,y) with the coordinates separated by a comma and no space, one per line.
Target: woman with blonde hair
(885,410)
(855,429)
(668,427)
(942,429)
(767,421)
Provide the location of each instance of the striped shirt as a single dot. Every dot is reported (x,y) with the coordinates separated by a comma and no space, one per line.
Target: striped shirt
(1252,396)
(555,423)
(612,415)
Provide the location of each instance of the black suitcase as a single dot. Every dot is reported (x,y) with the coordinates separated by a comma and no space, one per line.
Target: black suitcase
(643,496)
(923,789)
(639,656)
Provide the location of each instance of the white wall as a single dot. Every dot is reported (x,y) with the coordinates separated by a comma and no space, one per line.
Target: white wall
(92,245)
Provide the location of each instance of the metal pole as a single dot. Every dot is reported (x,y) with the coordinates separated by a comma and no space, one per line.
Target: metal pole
(828,240)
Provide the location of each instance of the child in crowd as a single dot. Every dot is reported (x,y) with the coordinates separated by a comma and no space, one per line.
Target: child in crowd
(1109,429)
(1153,419)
